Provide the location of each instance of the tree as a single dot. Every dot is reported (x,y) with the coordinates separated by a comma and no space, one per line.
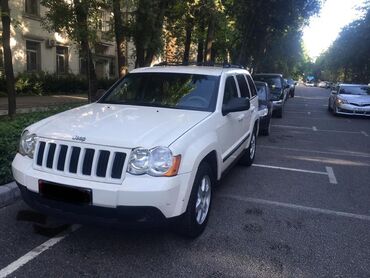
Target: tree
(79,22)
(148,30)
(9,73)
(119,32)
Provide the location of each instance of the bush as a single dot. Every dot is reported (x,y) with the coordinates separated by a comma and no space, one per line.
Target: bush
(10,132)
(45,84)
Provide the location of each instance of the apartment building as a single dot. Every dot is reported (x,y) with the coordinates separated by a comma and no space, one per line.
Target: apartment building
(34,49)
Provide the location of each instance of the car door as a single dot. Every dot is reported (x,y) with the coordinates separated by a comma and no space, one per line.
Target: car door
(254,97)
(231,125)
(245,93)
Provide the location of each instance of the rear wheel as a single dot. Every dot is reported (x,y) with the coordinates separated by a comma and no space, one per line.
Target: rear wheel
(250,153)
(193,222)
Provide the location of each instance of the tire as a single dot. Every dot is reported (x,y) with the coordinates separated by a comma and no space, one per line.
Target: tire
(193,222)
(292,94)
(329,108)
(250,153)
(266,131)
(279,113)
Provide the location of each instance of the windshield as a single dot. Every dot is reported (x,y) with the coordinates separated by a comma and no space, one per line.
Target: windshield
(261,92)
(355,90)
(170,90)
(273,81)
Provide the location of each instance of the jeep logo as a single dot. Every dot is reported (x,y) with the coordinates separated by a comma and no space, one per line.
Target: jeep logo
(79,138)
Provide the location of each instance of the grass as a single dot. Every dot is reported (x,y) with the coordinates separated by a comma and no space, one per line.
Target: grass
(10,132)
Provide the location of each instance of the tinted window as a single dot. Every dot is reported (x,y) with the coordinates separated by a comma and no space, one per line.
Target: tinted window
(171,90)
(272,81)
(230,90)
(243,86)
(355,90)
(252,86)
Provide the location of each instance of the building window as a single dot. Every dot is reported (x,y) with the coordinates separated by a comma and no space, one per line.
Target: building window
(33,56)
(62,60)
(104,23)
(32,7)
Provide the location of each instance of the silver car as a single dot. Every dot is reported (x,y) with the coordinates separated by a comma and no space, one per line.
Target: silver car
(350,99)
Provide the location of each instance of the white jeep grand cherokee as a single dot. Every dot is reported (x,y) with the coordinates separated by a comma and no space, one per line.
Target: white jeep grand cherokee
(153,147)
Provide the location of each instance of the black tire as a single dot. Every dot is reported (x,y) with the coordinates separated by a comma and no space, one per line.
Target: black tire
(187,224)
(266,131)
(329,108)
(279,113)
(250,153)
(292,94)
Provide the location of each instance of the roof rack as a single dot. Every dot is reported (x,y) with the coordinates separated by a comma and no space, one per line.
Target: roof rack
(203,64)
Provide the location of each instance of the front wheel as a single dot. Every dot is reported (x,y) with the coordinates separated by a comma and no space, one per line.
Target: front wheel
(250,153)
(193,222)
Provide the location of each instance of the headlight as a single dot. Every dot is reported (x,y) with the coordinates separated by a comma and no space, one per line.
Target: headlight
(340,101)
(157,162)
(27,144)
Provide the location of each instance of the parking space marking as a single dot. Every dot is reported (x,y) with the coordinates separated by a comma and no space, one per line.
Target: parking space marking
(329,171)
(332,178)
(347,153)
(309,113)
(314,128)
(297,207)
(36,252)
(290,169)
(321,130)
(365,134)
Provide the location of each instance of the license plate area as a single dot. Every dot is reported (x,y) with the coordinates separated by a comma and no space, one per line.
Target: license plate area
(64,193)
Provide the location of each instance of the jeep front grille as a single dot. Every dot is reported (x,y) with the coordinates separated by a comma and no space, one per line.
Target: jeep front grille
(97,163)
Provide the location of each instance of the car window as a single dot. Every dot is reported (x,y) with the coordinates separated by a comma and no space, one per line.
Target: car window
(230,90)
(169,90)
(252,86)
(355,90)
(243,86)
(261,92)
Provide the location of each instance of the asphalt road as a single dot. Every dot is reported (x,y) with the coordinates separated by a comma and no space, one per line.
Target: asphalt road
(308,218)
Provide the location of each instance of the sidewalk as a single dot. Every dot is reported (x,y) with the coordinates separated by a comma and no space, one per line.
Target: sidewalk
(40,103)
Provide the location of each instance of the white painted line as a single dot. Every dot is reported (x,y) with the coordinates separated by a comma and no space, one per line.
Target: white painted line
(347,153)
(297,207)
(309,113)
(290,169)
(332,178)
(292,126)
(35,252)
(321,130)
(365,134)
(314,128)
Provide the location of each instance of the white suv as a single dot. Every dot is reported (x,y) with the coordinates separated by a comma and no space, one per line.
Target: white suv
(153,147)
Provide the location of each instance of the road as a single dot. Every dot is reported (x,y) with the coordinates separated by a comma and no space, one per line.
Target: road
(302,210)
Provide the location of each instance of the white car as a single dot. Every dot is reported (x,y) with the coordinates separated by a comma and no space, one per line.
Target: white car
(350,99)
(153,147)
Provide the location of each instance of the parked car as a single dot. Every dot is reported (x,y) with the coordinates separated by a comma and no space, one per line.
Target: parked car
(153,147)
(350,99)
(324,84)
(264,107)
(278,90)
(291,84)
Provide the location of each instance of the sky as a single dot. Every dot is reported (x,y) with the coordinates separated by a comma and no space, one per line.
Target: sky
(324,28)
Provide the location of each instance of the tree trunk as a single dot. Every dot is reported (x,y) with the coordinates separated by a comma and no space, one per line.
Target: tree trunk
(188,30)
(210,38)
(119,31)
(9,73)
(81,11)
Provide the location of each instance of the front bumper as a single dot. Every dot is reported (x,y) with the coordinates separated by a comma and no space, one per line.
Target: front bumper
(168,195)
(349,109)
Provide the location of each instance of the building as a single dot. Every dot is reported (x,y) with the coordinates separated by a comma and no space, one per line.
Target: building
(36,50)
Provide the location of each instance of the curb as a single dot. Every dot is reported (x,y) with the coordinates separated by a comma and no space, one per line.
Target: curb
(8,194)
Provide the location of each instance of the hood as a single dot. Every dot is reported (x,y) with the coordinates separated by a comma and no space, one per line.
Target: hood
(120,125)
(356,99)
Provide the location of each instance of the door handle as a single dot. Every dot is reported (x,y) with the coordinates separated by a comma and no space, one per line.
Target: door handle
(240,118)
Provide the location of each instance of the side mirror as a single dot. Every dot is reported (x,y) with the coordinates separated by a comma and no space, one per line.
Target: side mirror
(236,105)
